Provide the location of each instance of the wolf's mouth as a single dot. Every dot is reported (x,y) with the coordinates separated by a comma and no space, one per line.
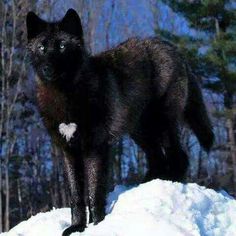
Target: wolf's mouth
(55,77)
(50,78)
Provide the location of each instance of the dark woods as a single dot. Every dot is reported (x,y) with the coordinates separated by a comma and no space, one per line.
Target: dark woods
(31,177)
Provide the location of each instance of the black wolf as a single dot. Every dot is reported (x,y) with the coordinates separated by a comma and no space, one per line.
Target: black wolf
(141,87)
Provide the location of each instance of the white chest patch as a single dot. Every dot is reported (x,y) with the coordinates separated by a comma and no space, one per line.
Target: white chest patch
(67,131)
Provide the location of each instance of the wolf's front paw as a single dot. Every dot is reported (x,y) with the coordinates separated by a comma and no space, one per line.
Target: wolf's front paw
(73,229)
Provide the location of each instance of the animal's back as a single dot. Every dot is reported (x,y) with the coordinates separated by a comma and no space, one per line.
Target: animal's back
(151,63)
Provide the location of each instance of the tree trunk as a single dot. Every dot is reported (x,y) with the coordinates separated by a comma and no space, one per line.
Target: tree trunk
(140,158)
(108,25)
(19,198)
(7,197)
(2,98)
(118,159)
(199,169)
(1,228)
(232,148)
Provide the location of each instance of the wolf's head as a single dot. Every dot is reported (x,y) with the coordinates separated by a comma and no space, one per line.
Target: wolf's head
(56,49)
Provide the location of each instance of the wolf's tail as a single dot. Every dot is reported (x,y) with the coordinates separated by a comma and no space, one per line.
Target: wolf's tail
(196,114)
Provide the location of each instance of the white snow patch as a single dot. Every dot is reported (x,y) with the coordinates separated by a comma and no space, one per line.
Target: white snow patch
(67,131)
(158,207)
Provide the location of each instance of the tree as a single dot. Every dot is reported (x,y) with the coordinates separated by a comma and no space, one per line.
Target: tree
(12,75)
(212,54)
(17,116)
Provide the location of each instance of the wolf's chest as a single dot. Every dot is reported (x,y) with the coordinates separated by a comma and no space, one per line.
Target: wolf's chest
(53,105)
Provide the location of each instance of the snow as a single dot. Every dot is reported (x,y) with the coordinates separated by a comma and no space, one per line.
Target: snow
(155,208)
(67,131)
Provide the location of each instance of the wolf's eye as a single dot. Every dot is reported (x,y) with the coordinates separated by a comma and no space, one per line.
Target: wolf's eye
(62,45)
(41,47)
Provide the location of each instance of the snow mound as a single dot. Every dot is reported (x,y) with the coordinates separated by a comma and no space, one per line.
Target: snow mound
(155,208)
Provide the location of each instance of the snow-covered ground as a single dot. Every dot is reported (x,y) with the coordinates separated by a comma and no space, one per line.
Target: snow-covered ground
(156,208)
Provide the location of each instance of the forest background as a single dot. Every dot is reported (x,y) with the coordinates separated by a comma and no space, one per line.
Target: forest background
(31,174)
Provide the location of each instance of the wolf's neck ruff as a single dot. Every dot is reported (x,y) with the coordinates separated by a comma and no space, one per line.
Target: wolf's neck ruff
(53,103)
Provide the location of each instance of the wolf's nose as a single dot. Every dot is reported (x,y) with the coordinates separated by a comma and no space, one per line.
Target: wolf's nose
(47,71)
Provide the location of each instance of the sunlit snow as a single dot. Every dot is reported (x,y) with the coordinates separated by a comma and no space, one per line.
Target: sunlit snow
(158,207)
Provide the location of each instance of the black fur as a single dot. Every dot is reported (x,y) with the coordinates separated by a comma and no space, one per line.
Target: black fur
(141,87)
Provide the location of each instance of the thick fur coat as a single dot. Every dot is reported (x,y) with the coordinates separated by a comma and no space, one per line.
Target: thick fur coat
(141,87)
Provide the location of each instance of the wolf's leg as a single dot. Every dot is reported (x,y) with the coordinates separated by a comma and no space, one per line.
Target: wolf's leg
(96,166)
(157,163)
(178,160)
(174,109)
(155,155)
(75,177)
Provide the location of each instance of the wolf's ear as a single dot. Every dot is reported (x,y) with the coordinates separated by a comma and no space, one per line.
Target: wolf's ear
(71,24)
(35,25)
